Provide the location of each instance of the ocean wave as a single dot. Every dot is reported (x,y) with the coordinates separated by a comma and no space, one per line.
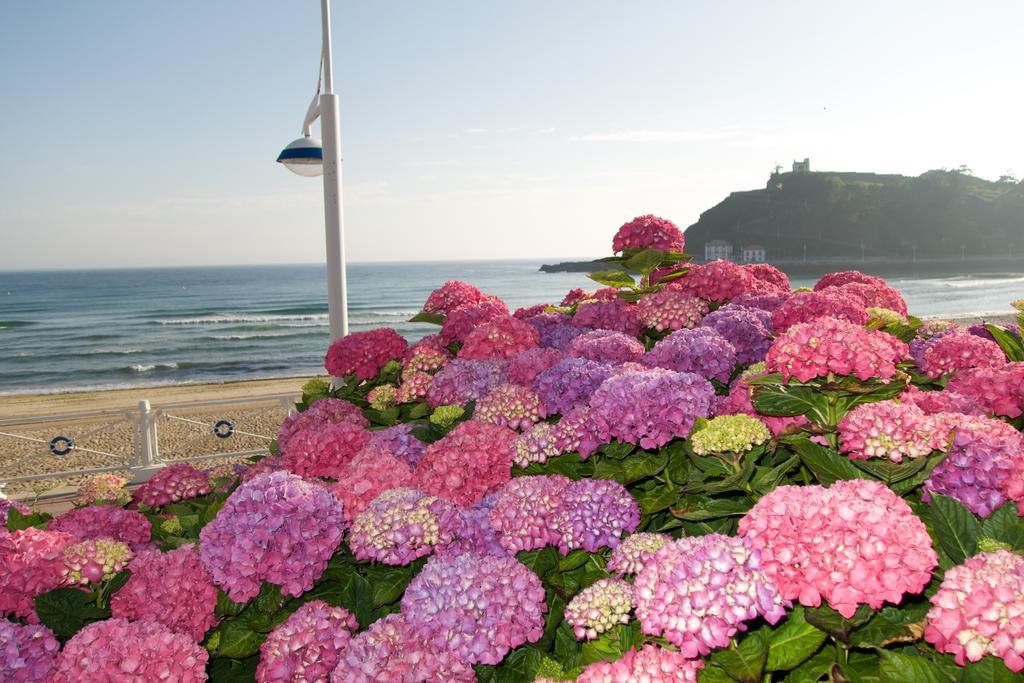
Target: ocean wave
(235,318)
(144,367)
(265,335)
(971,283)
(11,324)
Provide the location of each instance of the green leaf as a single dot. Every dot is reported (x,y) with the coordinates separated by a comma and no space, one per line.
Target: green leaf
(226,607)
(233,670)
(424,317)
(520,666)
(955,527)
(793,642)
(613,278)
(656,500)
(419,411)
(902,668)
(358,600)
(236,640)
(1010,343)
(745,662)
(645,261)
(574,560)
(16,521)
(65,611)
(892,625)
(618,451)
(861,667)
(783,401)
(388,583)
(834,623)
(706,508)
(713,674)
(814,668)
(891,472)
(540,561)
(906,485)
(827,465)
(988,670)
(1005,526)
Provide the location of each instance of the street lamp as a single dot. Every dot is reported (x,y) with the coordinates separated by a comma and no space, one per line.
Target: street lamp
(307,157)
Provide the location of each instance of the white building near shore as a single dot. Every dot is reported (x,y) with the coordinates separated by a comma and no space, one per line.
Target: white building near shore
(717,249)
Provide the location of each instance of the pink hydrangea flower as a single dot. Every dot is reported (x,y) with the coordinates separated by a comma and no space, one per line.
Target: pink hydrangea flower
(324,450)
(425,360)
(276,528)
(104,521)
(320,412)
(600,607)
(476,606)
(854,543)
(526,312)
(830,345)
(120,650)
(717,281)
(606,346)
(524,367)
(414,387)
(524,511)
(652,663)
(510,405)
(31,563)
(890,430)
(94,560)
(649,407)
(103,488)
(875,295)
(979,610)
(391,651)
(670,309)
(698,591)
(370,472)
(173,589)
(307,646)
(999,390)
(363,354)
(401,525)
(173,483)
(635,551)
(946,401)
(500,338)
(845,277)
(453,295)
(462,381)
(960,351)
(595,513)
(27,653)
(702,351)
(575,432)
(460,323)
(766,272)
(805,307)
(472,460)
(649,232)
(612,314)
(537,444)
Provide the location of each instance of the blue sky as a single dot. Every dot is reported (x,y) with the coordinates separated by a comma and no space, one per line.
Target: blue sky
(144,133)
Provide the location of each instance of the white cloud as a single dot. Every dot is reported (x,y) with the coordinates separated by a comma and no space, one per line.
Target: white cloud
(659,135)
(545,131)
(474,131)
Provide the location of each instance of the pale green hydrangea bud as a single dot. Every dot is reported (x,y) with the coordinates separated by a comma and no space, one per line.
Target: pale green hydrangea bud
(445,416)
(729,434)
(383,397)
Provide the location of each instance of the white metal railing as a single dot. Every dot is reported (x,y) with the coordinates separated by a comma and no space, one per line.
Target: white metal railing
(194,431)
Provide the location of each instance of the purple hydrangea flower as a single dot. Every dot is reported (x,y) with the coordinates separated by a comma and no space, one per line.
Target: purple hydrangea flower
(537,444)
(474,533)
(524,511)
(701,350)
(400,441)
(765,302)
(555,329)
(524,367)
(569,383)
(595,513)
(747,329)
(462,381)
(27,653)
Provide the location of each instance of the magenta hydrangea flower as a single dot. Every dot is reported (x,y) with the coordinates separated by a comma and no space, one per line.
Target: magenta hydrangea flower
(999,390)
(173,483)
(510,405)
(103,488)
(119,650)
(325,450)
(31,563)
(875,295)
(400,441)
(748,330)
(717,281)
(600,607)
(824,345)
(979,610)
(569,383)
(469,462)
(575,432)
(401,525)
(635,551)
(500,339)
(979,461)
(595,513)
(462,381)
(612,314)
(698,591)
(606,346)
(854,543)
(104,521)
(537,444)
(652,663)
(555,330)
(524,367)
(649,407)
(320,412)
(649,232)
(372,471)
(27,653)
(452,295)
(527,312)
(702,351)
(670,309)
(845,277)
(276,528)
(960,351)
(363,354)
(890,430)
(769,303)
(476,606)
(766,272)
(946,401)
(460,323)
(524,511)
(805,307)
(307,646)
(391,651)
(173,589)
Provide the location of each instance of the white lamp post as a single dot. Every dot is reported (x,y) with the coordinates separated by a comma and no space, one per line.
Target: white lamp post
(307,157)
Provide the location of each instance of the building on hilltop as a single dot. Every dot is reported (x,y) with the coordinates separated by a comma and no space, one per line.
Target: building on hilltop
(802,166)
(717,249)
(753,253)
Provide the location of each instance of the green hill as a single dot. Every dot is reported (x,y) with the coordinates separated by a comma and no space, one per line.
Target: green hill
(937,215)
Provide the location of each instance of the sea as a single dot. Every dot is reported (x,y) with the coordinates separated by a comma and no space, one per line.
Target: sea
(103,329)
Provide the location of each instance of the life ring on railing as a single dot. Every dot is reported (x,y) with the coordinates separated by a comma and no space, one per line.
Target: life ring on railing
(223,429)
(61,445)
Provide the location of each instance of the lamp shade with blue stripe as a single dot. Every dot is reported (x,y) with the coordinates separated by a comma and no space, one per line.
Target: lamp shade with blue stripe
(304,156)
